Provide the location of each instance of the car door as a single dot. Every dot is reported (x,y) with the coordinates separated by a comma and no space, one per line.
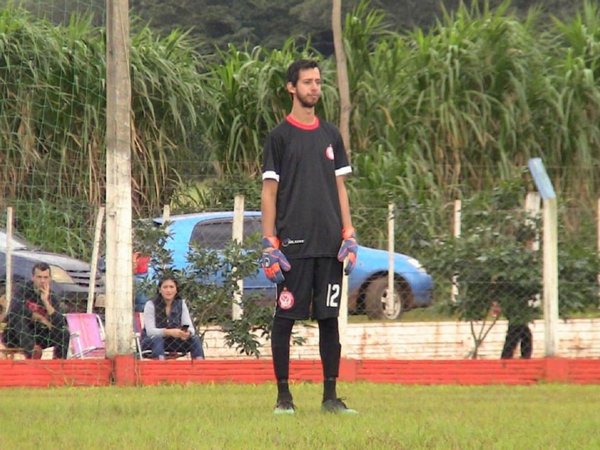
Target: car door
(216,234)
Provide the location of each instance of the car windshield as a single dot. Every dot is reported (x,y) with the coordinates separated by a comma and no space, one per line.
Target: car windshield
(17,242)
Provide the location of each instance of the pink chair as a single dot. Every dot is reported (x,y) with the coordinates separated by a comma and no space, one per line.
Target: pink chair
(87,335)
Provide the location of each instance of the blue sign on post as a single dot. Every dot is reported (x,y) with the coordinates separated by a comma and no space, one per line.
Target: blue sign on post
(541,179)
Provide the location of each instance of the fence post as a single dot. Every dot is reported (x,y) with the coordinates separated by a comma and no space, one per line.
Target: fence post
(9,271)
(237,233)
(550,276)
(532,209)
(456,230)
(391,227)
(550,254)
(94,263)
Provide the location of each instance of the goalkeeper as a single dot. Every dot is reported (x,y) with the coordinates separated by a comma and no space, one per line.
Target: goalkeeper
(307,231)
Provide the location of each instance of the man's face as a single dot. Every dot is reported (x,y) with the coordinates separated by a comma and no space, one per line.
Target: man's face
(41,279)
(308,88)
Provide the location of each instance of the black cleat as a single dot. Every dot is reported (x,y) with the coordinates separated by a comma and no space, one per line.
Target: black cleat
(337,406)
(284,407)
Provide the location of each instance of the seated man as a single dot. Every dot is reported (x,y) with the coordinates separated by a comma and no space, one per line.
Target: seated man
(35,321)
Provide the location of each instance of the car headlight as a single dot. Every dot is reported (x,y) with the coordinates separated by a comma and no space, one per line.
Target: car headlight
(60,275)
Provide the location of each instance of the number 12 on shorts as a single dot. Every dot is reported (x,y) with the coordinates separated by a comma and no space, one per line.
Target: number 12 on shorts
(333,295)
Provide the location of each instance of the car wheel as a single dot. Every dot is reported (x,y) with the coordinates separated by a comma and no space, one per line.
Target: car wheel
(377,304)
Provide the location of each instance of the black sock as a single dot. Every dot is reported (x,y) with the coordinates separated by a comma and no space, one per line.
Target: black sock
(329,390)
(283,391)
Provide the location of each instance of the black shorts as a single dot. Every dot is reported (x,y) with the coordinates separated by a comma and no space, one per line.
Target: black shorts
(312,289)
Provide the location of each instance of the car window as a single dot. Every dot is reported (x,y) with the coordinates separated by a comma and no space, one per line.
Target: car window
(217,233)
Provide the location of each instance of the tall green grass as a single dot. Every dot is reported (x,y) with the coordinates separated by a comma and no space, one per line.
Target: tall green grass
(240,417)
(437,114)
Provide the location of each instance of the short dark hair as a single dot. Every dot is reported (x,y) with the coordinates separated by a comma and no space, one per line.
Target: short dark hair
(294,69)
(41,266)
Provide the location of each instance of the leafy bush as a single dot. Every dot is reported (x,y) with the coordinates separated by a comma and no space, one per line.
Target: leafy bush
(212,302)
(493,263)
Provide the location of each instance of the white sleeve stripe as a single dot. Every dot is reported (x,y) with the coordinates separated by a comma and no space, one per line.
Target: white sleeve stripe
(343,171)
(270,175)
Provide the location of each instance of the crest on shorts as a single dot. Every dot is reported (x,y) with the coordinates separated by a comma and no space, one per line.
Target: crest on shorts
(286,299)
(329,152)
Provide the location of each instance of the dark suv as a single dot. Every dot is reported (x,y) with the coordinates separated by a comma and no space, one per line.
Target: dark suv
(70,276)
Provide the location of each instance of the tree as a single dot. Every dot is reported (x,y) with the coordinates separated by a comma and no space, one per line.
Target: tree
(491,262)
(342,73)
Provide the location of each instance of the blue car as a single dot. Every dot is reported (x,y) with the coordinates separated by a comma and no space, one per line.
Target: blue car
(368,282)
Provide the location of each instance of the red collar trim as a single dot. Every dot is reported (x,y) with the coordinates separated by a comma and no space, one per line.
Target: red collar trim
(303,126)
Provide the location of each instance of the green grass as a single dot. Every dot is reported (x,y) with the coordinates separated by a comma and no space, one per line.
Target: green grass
(240,416)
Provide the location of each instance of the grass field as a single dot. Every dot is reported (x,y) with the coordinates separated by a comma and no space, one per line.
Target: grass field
(240,417)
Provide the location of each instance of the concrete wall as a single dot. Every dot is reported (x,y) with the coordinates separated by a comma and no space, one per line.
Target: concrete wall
(578,338)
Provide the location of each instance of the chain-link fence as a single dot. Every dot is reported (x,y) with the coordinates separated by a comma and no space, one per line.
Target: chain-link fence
(482,267)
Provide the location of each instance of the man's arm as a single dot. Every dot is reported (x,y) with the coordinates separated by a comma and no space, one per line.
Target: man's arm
(344,202)
(349,248)
(268,205)
(47,299)
(39,318)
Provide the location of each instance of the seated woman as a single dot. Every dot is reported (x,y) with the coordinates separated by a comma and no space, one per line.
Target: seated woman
(168,325)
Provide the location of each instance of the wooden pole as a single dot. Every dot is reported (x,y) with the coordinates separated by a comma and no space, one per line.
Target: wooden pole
(94,263)
(342,73)
(237,235)
(119,274)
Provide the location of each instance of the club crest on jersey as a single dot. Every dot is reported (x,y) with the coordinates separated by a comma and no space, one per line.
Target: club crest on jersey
(286,299)
(329,152)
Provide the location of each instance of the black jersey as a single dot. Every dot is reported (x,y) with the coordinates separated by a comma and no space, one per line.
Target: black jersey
(305,161)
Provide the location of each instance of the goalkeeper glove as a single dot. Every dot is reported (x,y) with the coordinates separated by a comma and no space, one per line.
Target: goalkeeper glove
(348,249)
(273,260)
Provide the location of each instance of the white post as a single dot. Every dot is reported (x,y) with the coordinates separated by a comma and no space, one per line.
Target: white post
(598,234)
(237,233)
(166,216)
(532,208)
(389,298)
(343,317)
(9,271)
(550,276)
(550,254)
(94,262)
(456,230)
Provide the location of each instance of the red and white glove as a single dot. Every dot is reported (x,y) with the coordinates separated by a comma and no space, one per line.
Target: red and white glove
(348,249)
(273,260)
